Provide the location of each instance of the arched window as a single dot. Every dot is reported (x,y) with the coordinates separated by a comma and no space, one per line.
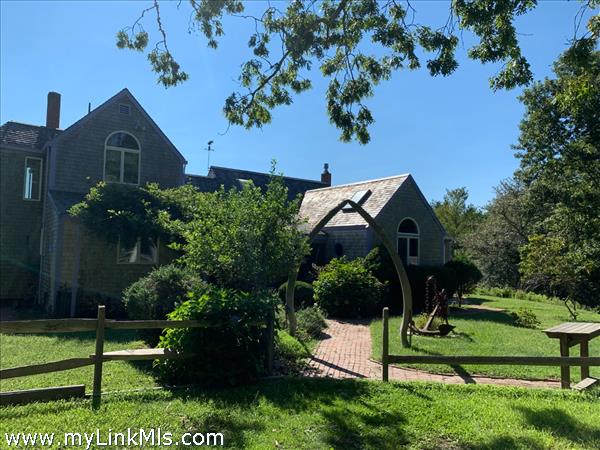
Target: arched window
(408,242)
(122,158)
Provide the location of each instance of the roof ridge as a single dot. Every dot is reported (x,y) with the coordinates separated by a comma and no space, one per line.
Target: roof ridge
(404,175)
(265,173)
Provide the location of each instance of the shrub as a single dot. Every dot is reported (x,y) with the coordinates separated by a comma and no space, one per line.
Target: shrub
(379,262)
(421,320)
(467,276)
(525,318)
(303,294)
(230,351)
(311,322)
(158,293)
(347,289)
(290,353)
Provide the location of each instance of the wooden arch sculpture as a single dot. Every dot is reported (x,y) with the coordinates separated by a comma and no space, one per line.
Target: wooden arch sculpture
(402,277)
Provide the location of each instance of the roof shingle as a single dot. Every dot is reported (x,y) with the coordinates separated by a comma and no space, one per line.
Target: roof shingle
(317,203)
(25,135)
(235,178)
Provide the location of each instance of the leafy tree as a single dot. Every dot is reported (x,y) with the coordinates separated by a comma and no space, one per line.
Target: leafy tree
(355,43)
(117,211)
(245,239)
(559,149)
(505,227)
(467,276)
(459,218)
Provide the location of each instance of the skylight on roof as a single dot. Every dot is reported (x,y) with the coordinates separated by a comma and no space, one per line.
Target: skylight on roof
(359,197)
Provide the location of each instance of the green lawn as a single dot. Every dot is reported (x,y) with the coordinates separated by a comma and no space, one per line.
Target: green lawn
(341,414)
(25,349)
(492,333)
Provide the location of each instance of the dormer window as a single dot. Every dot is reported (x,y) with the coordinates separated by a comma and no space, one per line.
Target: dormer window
(122,158)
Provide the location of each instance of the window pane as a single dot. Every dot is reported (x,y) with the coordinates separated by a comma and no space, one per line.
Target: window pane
(128,255)
(33,178)
(402,247)
(123,140)
(112,167)
(414,247)
(130,167)
(408,226)
(148,251)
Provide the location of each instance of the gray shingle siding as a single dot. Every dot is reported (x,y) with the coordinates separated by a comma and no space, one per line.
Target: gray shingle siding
(78,160)
(20,225)
(391,200)
(408,202)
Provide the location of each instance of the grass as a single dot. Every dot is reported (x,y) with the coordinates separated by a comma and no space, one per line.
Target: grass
(327,414)
(25,349)
(494,334)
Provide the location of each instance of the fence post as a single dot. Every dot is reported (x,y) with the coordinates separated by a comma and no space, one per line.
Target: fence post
(386,344)
(98,358)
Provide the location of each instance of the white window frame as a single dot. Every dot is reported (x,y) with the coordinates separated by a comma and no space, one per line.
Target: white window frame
(138,261)
(122,150)
(410,260)
(39,194)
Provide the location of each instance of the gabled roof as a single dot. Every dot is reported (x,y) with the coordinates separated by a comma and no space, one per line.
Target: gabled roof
(317,203)
(235,178)
(25,135)
(107,103)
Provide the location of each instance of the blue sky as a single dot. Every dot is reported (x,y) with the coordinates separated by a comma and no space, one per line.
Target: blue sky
(447,132)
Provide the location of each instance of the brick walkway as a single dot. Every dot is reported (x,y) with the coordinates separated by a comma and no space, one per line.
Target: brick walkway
(346,353)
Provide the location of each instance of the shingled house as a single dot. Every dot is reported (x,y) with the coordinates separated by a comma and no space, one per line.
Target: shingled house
(396,203)
(46,170)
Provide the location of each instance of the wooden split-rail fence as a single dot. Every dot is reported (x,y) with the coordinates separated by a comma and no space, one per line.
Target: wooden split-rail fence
(99,325)
(558,361)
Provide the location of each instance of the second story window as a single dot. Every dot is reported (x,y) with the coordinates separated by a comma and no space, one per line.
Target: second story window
(32,189)
(122,159)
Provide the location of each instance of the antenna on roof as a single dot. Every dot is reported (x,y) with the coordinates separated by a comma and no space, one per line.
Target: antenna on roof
(208,150)
(89,107)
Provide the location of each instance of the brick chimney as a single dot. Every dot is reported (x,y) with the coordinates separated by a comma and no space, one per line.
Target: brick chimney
(326,176)
(53,111)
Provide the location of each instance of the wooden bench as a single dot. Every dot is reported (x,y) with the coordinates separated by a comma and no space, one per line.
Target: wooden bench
(570,334)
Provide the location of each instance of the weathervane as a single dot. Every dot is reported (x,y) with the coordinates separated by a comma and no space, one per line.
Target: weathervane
(208,150)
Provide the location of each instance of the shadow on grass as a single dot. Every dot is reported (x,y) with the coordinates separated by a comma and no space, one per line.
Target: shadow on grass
(351,419)
(458,370)
(503,317)
(559,423)
(510,442)
(475,301)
